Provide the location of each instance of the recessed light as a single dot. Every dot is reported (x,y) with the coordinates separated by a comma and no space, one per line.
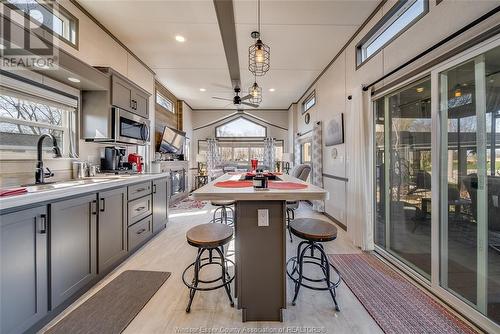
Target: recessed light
(420,89)
(180,38)
(272,89)
(73,79)
(203,90)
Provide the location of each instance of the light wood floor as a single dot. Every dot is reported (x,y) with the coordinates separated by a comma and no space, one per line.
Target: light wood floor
(165,312)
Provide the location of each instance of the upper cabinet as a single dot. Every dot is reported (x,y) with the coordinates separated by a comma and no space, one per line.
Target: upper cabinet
(127,95)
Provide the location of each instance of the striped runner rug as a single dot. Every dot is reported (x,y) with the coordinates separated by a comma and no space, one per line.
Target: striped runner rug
(396,304)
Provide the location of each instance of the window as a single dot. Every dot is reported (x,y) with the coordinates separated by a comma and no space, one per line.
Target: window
(309,102)
(241,152)
(240,127)
(164,102)
(23,118)
(395,22)
(53,18)
(305,152)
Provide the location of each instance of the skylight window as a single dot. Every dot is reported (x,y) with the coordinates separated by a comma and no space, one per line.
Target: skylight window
(51,16)
(164,102)
(395,22)
(240,127)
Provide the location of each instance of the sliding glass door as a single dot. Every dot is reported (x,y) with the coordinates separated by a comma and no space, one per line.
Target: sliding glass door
(453,240)
(470,182)
(403,169)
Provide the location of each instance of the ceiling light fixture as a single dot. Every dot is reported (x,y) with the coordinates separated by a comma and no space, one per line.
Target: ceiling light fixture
(180,38)
(420,89)
(258,53)
(74,79)
(203,90)
(272,89)
(256,92)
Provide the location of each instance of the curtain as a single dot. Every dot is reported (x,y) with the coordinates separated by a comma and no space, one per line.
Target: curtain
(317,163)
(359,190)
(296,154)
(269,156)
(213,157)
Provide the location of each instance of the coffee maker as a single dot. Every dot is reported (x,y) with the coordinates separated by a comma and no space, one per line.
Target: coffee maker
(113,159)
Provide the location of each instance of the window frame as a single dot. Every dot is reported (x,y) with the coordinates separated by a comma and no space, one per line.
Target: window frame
(381,26)
(302,151)
(307,99)
(159,94)
(61,11)
(245,118)
(242,144)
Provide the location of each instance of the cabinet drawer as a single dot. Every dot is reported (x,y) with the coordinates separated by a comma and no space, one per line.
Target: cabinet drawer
(138,209)
(139,190)
(139,233)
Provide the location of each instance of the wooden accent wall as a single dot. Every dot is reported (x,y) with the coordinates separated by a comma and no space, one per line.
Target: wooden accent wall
(163,117)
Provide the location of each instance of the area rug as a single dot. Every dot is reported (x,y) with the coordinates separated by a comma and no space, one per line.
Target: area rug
(396,305)
(188,203)
(113,307)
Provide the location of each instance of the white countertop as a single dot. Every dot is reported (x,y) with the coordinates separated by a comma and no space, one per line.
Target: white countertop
(211,192)
(30,198)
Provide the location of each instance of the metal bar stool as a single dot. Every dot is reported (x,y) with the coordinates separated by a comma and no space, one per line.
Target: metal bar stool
(209,238)
(224,212)
(313,232)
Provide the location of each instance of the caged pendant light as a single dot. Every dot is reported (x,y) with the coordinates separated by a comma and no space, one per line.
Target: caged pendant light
(256,92)
(258,53)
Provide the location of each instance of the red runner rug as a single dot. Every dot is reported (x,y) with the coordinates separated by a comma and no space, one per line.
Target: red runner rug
(233,184)
(396,304)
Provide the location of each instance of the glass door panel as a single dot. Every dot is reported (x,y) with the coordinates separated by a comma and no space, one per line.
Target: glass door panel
(470,182)
(403,169)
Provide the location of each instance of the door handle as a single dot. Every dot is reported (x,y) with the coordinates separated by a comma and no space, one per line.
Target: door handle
(103,205)
(154,188)
(93,206)
(43,224)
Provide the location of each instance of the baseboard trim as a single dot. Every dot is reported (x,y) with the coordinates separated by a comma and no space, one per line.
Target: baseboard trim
(342,226)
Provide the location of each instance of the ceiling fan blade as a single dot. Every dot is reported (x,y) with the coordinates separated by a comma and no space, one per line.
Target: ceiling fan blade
(249,96)
(250,104)
(221,98)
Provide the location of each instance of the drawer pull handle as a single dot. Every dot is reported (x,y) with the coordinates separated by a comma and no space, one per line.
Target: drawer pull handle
(140,189)
(140,208)
(141,231)
(43,224)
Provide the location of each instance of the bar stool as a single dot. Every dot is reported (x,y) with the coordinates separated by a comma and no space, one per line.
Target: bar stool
(209,237)
(313,232)
(221,213)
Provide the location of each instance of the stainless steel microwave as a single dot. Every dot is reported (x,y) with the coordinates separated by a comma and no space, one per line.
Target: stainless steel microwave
(130,128)
(119,126)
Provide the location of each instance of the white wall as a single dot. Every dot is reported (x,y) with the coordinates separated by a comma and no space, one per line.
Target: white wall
(342,78)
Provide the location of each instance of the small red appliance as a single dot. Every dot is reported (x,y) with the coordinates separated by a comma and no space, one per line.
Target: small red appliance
(137,159)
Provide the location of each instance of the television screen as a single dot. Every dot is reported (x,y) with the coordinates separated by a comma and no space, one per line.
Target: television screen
(172,141)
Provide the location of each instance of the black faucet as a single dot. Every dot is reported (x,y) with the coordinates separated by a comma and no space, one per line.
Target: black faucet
(40,174)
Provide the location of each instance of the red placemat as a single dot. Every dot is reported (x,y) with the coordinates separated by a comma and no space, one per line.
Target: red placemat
(233,184)
(286,185)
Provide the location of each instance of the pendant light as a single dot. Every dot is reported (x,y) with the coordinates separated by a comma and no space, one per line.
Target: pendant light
(256,92)
(258,53)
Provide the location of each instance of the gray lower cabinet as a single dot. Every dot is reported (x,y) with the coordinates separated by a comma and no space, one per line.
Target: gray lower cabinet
(73,246)
(23,264)
(112,228)
(160,204)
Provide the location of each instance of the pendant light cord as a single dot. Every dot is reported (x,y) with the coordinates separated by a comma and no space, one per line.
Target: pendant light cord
(258,15)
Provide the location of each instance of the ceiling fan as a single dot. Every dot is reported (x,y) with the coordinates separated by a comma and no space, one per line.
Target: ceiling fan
(237,100)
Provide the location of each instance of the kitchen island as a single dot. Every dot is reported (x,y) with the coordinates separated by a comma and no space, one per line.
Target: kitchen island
(260,245)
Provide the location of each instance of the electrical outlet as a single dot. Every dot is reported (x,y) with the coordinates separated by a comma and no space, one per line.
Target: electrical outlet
(262,217)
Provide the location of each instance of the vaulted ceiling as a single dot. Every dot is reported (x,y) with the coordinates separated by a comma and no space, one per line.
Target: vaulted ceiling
(303,36)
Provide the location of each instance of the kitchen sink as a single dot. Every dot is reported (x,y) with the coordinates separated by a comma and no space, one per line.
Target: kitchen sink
(65,184)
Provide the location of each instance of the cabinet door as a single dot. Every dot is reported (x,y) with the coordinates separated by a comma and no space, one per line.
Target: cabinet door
(160,204)
(73,246)
(121,94)
(140,103)
(112,228)
(23,264)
